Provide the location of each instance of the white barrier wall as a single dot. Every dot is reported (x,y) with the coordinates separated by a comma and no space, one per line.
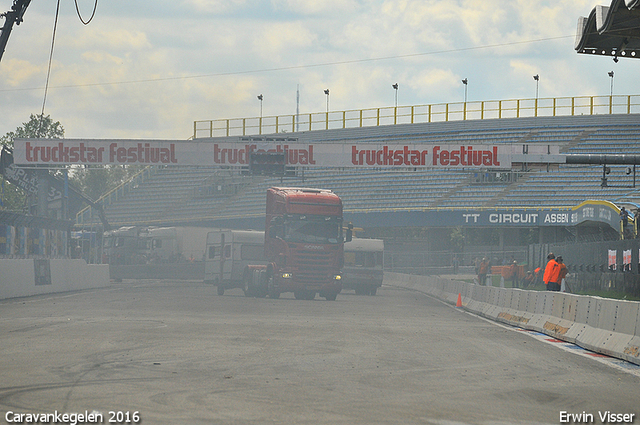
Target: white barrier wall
(23,278)
(606,326)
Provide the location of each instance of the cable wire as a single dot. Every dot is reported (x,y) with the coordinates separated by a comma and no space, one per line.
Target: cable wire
(317,65)
(95,6)
(46,87)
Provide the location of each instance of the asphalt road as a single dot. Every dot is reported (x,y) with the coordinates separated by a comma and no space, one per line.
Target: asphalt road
(177,353)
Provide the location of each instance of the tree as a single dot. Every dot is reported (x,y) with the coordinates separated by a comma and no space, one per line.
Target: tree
(38,127)
(92,181)
(12,197)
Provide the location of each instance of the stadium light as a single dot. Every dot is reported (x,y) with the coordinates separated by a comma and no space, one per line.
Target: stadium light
(326,91)
(395,87)
(260,98)
(465,82)
(611,74)
(537,78)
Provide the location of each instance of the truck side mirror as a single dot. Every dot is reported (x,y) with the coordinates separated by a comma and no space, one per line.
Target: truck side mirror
(349,235)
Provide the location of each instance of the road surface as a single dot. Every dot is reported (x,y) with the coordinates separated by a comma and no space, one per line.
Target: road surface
(176,353)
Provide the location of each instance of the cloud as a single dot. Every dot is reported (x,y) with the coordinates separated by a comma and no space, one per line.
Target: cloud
(281,38)
(106,39)
(215,6)
(212,58)
(334,8)
(19,72)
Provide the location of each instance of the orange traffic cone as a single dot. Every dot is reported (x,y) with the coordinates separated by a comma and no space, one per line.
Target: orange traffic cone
(459,302)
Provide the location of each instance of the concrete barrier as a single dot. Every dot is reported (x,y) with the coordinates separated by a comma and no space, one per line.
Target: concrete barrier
(28,277)
(606,326)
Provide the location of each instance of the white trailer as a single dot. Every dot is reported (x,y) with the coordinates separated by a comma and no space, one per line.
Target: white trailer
(363,268)
(176,244)
(228,253)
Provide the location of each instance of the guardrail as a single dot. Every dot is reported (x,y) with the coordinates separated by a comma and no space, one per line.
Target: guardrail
(442,112)
(606,326)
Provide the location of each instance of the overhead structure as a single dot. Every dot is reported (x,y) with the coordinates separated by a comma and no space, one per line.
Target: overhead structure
(611,30)
(14,16)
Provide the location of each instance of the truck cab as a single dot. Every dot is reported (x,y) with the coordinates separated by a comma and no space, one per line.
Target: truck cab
(303,242)
(124,246)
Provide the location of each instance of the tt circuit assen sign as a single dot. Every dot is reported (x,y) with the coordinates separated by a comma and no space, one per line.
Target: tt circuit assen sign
(237,153)
(588,211)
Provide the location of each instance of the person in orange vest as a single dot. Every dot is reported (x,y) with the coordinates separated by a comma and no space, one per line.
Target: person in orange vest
(563,270)
(483,269)
(513,274)
(552,273)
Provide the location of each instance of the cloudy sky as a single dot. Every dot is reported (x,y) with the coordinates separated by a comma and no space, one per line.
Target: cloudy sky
(150,69)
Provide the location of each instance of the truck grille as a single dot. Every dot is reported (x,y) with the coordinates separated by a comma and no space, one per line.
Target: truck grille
(313,266)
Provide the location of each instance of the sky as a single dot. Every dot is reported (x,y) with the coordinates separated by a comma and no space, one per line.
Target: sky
(148,70)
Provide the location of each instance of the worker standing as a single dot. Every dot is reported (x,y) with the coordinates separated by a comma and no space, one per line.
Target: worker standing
(552,273)
(483,269)
(562,274)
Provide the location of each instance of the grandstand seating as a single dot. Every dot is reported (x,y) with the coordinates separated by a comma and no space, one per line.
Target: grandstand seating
(184,194)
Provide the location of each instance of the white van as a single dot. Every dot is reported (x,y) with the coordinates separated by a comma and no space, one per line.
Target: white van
(228,252)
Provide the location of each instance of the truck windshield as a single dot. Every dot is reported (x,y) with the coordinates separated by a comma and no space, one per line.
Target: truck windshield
(312,228)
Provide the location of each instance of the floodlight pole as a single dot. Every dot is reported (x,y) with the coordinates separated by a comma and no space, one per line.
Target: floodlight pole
(326,91)
(537,78)
(611,74)
(465,82)
(395,109)
(260,98)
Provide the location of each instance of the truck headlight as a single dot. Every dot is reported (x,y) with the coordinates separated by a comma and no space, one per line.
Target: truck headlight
(287,275)
(337,277)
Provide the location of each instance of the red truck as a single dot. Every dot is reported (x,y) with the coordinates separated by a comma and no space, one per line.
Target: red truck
(304,245)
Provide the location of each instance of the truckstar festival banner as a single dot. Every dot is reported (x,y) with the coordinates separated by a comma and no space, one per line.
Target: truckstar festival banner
(210,152)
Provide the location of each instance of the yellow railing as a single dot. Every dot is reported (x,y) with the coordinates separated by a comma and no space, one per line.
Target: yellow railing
(480,110)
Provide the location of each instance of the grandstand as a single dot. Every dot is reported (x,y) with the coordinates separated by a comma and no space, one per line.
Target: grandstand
(228,198)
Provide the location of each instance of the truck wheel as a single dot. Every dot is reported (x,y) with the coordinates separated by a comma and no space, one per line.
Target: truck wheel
(310,295)
(331,296)
(361,290)
(273,293)
(220,290)
(373,290)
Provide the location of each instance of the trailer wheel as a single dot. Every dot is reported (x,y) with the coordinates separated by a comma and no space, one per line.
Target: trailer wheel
(373,290)
(220,290)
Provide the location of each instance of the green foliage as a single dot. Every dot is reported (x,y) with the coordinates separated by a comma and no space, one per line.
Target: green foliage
(37,127)
(93,181)
(457,238)
(13,198)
